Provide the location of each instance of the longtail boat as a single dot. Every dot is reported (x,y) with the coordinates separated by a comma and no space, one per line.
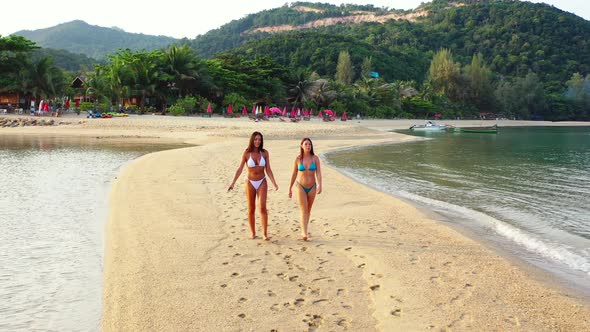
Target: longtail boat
(482,130)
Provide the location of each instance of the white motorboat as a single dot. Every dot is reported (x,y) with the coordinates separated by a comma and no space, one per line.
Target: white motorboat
(428,126)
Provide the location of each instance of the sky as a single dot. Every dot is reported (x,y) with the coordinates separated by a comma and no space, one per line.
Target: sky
(176,18)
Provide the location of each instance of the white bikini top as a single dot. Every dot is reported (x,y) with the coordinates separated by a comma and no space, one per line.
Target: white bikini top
(252,163)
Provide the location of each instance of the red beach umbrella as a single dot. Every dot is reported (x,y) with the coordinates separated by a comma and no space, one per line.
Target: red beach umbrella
(320,115)
(229,109)
(244,110)
(285,111)
(209,108)
(254,109)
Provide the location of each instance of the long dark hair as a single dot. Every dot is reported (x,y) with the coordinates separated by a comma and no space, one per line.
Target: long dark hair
(251,144)
(301,148)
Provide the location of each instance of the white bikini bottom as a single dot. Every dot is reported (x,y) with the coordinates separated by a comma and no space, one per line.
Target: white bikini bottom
(256,184)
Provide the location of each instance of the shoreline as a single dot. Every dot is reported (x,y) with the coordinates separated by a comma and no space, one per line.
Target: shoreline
(378,263)
(537,266)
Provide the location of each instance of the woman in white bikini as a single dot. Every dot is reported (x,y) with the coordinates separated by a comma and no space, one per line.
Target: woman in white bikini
(307,174)
(258,162)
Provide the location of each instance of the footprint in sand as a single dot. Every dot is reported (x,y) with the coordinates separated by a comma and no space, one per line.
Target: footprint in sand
(396,312)
(343,323)
(242,315)
(293,278)
(314,321)
(320,301)
(318,279)
(270,293)
(242,300)
(375,287)
(340,291)
(299,302)
(235,274)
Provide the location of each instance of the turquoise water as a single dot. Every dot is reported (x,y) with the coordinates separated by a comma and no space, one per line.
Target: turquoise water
(525,189)
(53,211)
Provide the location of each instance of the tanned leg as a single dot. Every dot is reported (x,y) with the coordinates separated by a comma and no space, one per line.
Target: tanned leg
(262,193)
(310,199)
(251,199)
(304,210)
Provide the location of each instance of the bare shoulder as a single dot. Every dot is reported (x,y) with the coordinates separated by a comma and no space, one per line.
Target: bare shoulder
(316,158)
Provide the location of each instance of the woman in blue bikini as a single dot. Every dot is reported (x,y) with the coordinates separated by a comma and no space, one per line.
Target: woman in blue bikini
(307,174)
(257,160)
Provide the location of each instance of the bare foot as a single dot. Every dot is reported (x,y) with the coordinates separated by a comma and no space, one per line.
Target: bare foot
(254,236)
(266,238)
(303,238)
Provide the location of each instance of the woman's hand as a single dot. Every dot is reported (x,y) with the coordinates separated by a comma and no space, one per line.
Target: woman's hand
(276,187)
(231,186)
(290,193)
(319,190)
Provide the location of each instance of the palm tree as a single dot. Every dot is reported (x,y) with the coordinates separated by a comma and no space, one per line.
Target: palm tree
(322,93)
(301,91)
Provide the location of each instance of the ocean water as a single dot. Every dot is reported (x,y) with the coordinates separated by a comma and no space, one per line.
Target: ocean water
(524,190)
(53,208)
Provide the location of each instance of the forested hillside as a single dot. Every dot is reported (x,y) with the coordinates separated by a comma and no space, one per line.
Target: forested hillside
(94,41)
(513,37)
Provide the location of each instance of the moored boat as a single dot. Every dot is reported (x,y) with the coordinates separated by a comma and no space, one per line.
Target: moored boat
(428,126)
(482,130)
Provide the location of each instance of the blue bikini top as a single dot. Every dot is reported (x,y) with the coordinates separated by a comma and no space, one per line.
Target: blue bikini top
(312,167)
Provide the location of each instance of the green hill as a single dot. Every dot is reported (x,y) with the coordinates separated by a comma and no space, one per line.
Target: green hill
(79,37)
(514,37)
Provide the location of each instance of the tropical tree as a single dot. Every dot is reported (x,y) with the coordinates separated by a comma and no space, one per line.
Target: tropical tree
(322,93)
(479,79)
(344,70)
(444,74)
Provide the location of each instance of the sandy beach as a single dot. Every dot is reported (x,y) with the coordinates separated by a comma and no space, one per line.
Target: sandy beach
(179,258)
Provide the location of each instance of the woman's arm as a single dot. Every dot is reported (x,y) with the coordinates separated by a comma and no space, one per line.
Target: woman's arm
(269,170)
(238,172)
(293,177)
(318,174)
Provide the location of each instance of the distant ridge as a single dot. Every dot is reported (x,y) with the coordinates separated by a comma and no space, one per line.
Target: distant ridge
(94,41)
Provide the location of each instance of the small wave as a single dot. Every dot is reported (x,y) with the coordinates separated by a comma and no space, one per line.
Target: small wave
(553,251)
